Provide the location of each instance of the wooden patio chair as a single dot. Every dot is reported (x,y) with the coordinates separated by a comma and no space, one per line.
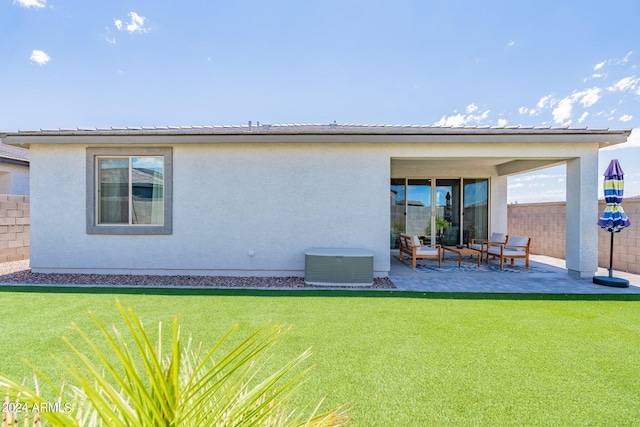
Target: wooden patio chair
(515,247)
(411,246)
(482,244)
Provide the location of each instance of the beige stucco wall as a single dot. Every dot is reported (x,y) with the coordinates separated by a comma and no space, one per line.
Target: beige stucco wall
(545,223)
(254,208)
(250,210)
(14,227)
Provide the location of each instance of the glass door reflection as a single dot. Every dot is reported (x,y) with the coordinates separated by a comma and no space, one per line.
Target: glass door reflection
(476,208)
(435,212)
(398,202)
(418,210)
(447,211)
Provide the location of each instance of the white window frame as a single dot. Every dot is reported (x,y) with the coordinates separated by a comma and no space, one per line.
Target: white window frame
(93,155)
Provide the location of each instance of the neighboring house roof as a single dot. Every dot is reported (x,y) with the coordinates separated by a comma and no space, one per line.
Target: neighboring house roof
(324,132)
(14,155)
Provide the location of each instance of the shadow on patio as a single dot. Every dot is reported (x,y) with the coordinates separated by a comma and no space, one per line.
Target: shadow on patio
(545,276)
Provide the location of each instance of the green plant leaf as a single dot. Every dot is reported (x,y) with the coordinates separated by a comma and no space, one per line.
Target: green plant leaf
(136,383)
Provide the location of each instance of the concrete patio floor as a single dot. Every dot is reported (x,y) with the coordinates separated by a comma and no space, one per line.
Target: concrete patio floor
(546,276)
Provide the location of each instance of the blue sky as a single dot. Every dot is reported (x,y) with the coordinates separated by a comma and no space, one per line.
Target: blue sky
(145,63)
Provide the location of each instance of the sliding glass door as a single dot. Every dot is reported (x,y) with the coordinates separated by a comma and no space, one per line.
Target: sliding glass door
(398,203)
(446,211)
(476,208)
(418,207)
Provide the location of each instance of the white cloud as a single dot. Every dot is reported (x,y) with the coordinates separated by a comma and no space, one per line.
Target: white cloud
(614,61)
(589,97)
(583,117)
(511,43)
(537,195)
(546,101)
(625,84)
(483,116)
(563,112)
(31,3)
(458,119)
(502,122)
(108,37)
(625,118)
(136,25)
(39,57)
(538,176)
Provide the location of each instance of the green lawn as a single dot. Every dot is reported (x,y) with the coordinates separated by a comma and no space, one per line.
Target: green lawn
(401,359)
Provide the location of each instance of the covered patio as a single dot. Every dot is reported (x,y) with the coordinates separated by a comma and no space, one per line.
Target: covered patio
(546,275)
(453,187)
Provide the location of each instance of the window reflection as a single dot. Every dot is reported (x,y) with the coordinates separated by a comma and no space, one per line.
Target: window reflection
(131,190)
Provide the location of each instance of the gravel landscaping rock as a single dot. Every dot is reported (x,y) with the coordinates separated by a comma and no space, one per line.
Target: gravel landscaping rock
(19,272)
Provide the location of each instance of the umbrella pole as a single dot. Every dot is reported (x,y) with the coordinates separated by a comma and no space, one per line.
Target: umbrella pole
(611,257)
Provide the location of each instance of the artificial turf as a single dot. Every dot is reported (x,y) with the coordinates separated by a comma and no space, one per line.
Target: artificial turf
(402,359)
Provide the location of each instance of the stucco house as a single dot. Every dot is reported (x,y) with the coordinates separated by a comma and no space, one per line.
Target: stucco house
(250,200)
(14,170)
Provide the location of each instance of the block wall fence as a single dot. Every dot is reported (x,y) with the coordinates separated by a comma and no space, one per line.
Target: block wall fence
(14,228)
(545,223)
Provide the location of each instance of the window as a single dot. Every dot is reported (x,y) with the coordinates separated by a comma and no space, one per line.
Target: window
(129,190)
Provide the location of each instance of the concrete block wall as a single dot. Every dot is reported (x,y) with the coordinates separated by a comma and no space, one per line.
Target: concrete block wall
(626,253)
(545,223)
(14,227)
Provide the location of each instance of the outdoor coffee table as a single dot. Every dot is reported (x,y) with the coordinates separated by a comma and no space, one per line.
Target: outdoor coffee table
(460,252)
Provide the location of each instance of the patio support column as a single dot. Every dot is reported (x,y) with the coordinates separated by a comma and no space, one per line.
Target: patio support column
(582,215)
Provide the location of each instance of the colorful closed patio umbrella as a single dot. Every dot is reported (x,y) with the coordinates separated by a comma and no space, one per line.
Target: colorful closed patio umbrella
(613,219)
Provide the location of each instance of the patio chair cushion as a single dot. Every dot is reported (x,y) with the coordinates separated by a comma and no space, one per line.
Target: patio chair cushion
(476,246)
(498,237)
(507,252)
(482,243)
(415,240)
(515,241)
(427,251)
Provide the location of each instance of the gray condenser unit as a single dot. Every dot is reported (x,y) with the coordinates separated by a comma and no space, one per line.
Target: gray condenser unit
(338,267)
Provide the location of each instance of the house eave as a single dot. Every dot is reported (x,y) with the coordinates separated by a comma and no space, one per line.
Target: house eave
(14,162)
(331,133)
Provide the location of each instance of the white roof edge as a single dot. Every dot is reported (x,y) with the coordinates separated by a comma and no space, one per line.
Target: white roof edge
(313,129)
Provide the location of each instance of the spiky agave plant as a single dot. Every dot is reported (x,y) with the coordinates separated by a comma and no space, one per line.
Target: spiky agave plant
(141,384)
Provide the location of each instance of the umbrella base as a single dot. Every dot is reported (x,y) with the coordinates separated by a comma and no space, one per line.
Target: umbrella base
(616,282)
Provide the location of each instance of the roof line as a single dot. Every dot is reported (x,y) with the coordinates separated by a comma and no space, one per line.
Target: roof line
(310,129)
